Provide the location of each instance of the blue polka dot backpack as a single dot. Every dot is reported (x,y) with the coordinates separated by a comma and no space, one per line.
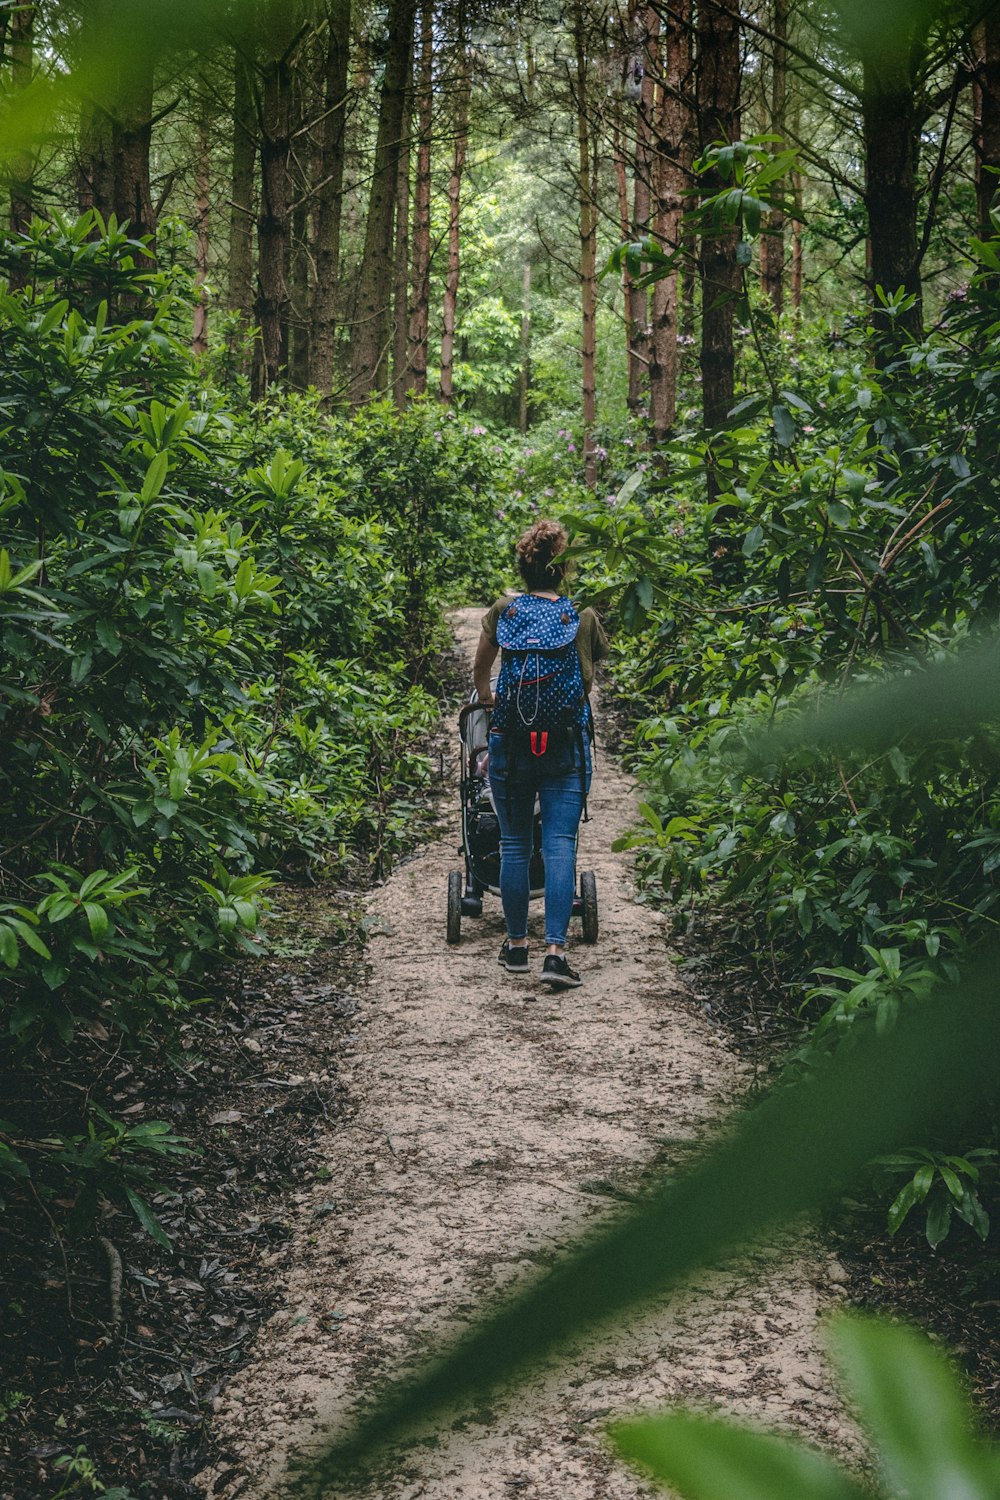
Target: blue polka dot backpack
(540,699)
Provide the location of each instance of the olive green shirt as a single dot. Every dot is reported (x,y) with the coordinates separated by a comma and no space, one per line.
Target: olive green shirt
(591,642)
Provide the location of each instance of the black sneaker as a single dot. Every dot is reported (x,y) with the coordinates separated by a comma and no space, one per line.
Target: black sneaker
(557,973)
(514,960)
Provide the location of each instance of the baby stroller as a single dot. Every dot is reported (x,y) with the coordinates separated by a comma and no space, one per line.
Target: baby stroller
(481,837)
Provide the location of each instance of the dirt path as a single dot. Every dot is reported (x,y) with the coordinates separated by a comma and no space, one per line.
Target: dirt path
(489,1120)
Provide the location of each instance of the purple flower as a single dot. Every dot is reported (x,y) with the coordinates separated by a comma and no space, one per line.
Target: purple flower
(478,431)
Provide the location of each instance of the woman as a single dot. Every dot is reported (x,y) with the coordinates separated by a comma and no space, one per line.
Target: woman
(526,761)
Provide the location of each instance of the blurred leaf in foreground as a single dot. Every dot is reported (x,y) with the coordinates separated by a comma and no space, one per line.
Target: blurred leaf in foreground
(906,1396)
(790,1156)
(941,699)
(108,43)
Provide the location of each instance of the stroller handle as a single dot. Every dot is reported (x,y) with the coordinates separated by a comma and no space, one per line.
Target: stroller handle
(471,708)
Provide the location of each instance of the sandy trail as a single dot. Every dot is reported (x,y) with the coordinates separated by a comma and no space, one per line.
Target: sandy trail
(489,1119)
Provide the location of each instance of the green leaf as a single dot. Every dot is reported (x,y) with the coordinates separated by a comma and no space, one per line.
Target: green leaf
(910,1401)
(148,1219)
(155,476)
(8,946)
(752,540)
(938,1220)
(108,637)
(705,1459)
(97,918)
(784,425)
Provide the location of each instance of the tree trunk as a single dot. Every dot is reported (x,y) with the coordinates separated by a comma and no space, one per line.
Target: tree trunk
(400,314)
(244,160)
(330,195)
(130,142)
(370,334)
(718,119)
(461,129)
(986,104)
(892,144)
(586,190)
(273,226)
(647,26)
(674,136)
(298,290)
(306,108)
(203,184)
(772,247)
(94,173)
(524,374)
(22,163)
(419,321)
(625,230)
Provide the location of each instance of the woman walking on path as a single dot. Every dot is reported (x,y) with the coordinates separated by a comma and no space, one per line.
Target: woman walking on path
(540,737)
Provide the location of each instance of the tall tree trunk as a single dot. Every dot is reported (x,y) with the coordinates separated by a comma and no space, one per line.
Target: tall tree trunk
(718,119)
(130,141)
(524,373)
(892,144)
(244,160)
(646,22)
(461,142)
(94,172)
(420,305)
(273,226)
(986,107)
(797,244)
(330,194)
(22,165)
(370,334)
(674,137)
(298,289)
(772,248)
(203,185)
(586,192)
(625,230)
(306,107)
(400,314)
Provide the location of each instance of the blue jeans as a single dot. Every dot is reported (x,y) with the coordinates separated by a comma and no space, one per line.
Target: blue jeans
(560,795)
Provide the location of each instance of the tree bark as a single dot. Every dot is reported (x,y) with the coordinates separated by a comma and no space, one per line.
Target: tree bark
(400,314)
(772,247)
(461,142)
(94,173)
(273,224)
(718,119)
(586,192)
(986,107)
(674,138)
(891,126)
(370,334)
(625,230)
(330,195)
(306,108)
(131,137)
(22,165)
(419,318)
(244,161)
(203,184)
(524,373)
(647,27)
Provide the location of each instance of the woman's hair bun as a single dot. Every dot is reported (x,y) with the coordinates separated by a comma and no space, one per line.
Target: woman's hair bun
(536,551)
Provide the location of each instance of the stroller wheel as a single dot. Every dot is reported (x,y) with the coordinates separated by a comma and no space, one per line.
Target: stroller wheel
(588,899)
(454,906)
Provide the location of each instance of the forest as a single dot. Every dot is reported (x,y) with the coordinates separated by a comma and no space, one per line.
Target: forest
(308,308)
